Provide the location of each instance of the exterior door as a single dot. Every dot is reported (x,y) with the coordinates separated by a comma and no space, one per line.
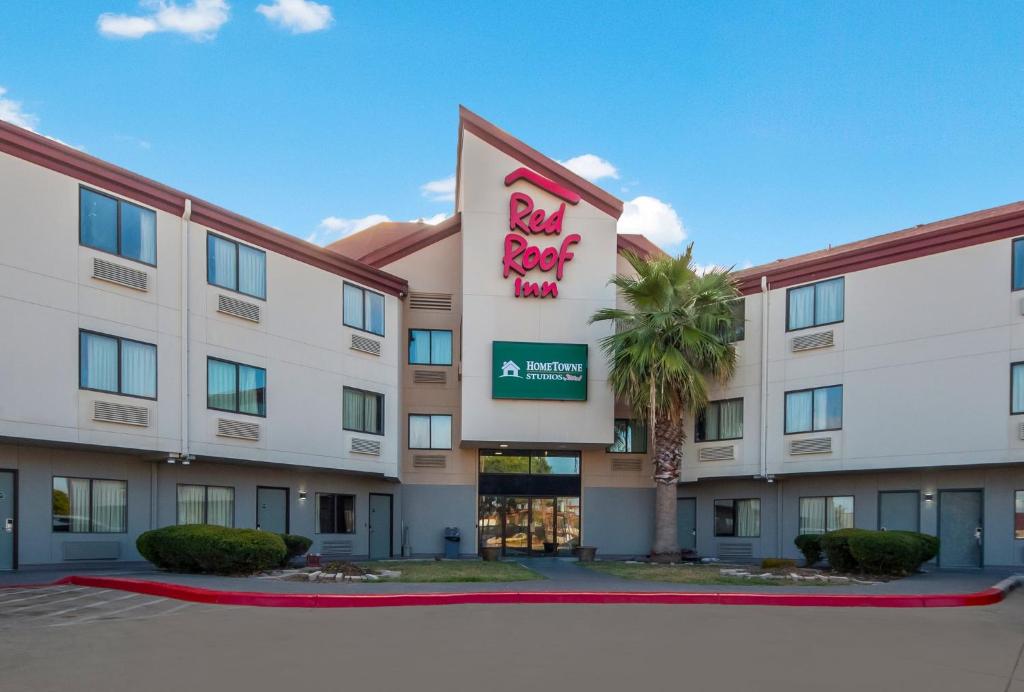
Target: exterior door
(272,509)
(899,510)
(686,523)
(380,526)
(961,528)
(8,520)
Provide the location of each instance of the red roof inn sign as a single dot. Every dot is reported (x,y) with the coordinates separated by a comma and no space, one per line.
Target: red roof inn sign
(526,220)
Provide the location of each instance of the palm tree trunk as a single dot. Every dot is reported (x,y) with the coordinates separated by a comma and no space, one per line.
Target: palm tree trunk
(668,456)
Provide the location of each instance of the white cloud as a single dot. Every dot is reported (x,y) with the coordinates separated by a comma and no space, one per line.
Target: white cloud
(442,190)
(705,268)
(432,220)
(655,219)
(200,20)
(13,112)
(298,16)
(334,228)
(591,167)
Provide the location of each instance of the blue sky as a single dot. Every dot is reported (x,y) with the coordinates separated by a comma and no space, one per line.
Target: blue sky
(762,130)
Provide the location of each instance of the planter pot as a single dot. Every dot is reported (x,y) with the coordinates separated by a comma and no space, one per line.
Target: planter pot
(490,554)
(586,553)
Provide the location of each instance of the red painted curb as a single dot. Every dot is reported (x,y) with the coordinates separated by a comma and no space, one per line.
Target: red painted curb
(994,594)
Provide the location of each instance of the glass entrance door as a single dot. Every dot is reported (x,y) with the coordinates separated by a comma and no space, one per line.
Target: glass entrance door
(525,525)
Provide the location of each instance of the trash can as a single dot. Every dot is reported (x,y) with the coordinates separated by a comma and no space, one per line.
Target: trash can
(452,538)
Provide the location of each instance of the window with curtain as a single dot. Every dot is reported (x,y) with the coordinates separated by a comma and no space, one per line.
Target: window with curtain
(1018,514)
(206,504)
(630,437)
(430,347)
(430,431)
(116,226)
(720,420)
(362,411)
(815,305)
(236,267)
(823,514)
(738,518)
(335,513)
(1017,270)
(116,365)
(362,309)
(89,505)
(737,330)
(235,387)
(814,410)
(1017,388)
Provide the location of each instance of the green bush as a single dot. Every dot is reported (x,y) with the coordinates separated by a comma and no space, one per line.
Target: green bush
(836,546)
(211,549)
(878,552)
(777,563)
(295,545)
(809,545)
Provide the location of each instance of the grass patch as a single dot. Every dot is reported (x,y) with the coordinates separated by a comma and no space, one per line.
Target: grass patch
(684,574)
(454,570)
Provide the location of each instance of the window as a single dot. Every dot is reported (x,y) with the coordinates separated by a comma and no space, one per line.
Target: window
(738,328)
(115,226)
(363,309)
(1018,514)
(236,267)
(630,437)
(1017,280)
(430,431)
(235,387)
(89,505)
(815,305)
(206,504)
(362,411)
(1017,388)
(531,462)
(720,420)
(739,518)
(116,365)
(822,514)
(814,410)
(430,347)
(335,513)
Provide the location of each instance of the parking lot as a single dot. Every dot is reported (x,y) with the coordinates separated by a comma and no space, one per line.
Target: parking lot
(62,638)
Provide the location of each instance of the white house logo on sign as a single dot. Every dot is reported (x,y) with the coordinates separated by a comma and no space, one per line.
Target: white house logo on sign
(509,369)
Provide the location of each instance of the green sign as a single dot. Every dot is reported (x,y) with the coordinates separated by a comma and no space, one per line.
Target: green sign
(525,370)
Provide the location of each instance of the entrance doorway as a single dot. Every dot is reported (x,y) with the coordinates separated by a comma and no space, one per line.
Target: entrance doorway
(530,526)
(961,528)
(8,520)
(272,509)
(686,523)
(381,536)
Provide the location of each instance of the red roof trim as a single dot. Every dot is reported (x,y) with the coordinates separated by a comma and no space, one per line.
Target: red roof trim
(66,160)
(544,165)
(414,242)
(543,183)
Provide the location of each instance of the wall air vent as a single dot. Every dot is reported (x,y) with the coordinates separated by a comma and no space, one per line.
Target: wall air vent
(811,445)
(809,342)
(109,412)
(360,445)
(91,550)
(717,453)
(238,308)
(429,461)
(430,301)
(119,274)
(1020,431)
(334,550)
(240,430)
(429,377)
(735,551)
(361,343)
(627,465)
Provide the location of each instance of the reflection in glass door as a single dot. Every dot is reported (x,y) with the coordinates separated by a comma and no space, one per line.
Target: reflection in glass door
(529,525)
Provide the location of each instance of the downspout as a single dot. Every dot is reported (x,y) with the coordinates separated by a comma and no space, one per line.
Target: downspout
(185,385)
(764,377)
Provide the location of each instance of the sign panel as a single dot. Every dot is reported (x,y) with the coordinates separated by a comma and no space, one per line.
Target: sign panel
(527,370)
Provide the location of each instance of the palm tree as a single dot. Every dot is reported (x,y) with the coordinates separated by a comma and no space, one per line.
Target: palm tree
(669,343)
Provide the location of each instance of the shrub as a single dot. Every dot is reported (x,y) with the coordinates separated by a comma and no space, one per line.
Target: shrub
(211,549)
(777,563)
(878,552)
(836,546)
(295,545)
(809,545)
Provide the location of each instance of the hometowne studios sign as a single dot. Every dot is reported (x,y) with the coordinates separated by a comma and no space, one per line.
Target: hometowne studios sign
(527,370)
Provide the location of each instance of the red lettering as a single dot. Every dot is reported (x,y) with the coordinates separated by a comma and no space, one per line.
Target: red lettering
(564,254)
(520,206)
(521,257)
(554,224)
(548,258)
(514,246)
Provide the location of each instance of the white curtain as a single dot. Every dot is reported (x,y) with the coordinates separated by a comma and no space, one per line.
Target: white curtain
(99,362)
(78,493)
(220,262)
(352,410)
(799,411)
(1017,388)
(353,306)
(250,390)
(812,515)
(748,518)
(731,419)
(419,432)
(108,506)
(138,233)
(419,347)
(220,506)
(828,301)
(441,347)
(147,236)
(371,413)
(374,313)
(828,408)
(252,271)
(221,385)
(711,429)
(441,432)
(138,368)
(840,513)
(801,307)
(191,500)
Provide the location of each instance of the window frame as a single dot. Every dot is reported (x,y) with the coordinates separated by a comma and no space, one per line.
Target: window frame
(206,503)
(815,309)
(739,326)
(430,432)
(266,388)
(119,201)
(1013,251)
(119,392)
(236,243)
(1012,366)
(380,415)
(355,520)
(365,291)
(91,520)
(699,416)
(632,422)
(826,498)
(530,455)
(451,355)
(714,517)
(785,412)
